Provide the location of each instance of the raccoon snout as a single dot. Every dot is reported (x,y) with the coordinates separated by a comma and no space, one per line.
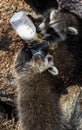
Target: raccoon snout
(42,26)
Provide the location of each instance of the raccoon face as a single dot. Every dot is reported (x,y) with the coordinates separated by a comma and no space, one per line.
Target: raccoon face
(59,24)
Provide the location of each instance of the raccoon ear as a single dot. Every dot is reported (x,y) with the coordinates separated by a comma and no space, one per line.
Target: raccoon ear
(72,30)
(53,70)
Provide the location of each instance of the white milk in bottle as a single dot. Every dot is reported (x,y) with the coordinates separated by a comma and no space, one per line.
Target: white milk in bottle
(24,26)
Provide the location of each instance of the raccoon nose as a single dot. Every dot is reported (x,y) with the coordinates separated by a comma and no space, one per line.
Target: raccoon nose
(49,59)
(39,30)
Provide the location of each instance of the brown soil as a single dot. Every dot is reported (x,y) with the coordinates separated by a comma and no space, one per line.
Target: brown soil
(9,45)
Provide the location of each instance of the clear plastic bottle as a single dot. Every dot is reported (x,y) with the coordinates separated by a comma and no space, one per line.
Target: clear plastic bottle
(23,26)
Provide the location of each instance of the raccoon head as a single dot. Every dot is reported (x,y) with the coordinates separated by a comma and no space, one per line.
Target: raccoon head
(60,24)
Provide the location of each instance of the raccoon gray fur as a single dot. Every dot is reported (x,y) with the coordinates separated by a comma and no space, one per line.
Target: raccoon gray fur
(38,101)
(64,30)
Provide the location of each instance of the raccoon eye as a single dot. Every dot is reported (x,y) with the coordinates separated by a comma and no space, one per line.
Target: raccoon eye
(50,30)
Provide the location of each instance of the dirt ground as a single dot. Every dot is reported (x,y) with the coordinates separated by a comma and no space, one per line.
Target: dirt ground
(9,40)
(9,45)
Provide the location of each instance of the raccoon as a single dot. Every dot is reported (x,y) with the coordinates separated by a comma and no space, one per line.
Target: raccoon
(63,30)
(38,101)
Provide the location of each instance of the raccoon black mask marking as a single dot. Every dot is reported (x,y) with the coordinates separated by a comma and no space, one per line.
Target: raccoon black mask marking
(59,25)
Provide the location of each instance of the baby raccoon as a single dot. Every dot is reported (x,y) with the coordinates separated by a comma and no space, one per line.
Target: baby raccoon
(38,101)
(63,30)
